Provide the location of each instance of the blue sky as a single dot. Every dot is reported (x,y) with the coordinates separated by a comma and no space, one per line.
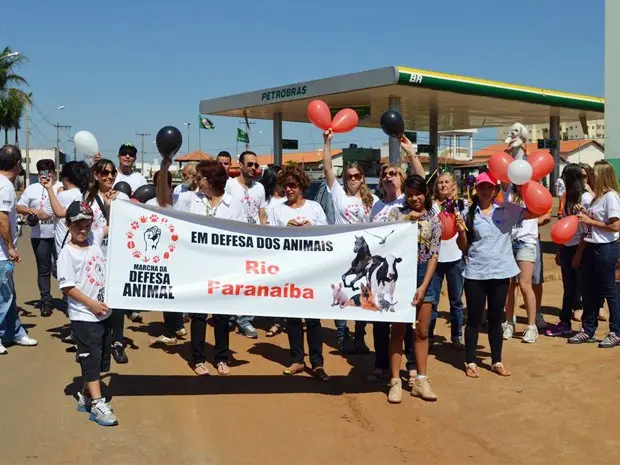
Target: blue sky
(120,67)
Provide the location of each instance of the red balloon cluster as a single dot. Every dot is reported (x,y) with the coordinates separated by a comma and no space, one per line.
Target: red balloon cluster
(319,114)
(536,197)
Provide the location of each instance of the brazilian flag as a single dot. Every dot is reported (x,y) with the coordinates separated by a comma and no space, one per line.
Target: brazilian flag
(206,123)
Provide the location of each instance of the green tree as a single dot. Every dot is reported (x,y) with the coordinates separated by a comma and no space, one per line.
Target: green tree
(13,100)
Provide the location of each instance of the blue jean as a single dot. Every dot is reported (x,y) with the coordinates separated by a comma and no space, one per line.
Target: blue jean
(598,271)
(453,272)
(243,321)
(342,330)
(10,326)
(570,282)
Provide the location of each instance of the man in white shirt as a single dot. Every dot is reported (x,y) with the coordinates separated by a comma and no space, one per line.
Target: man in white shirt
(11,330)
(251,194)
(32,204)
(188,174)
(126,160)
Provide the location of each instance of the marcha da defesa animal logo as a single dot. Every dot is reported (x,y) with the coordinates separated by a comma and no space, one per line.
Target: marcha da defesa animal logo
(149,236)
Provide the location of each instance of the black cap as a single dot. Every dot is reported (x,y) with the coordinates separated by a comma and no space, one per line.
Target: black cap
(128,149)
(79,210)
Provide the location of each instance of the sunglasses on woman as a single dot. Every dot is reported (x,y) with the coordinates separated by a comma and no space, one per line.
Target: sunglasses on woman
(355,176)
(291,185)
(389,174)
(106,173)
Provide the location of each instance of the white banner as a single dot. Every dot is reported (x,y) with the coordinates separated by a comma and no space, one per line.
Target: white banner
(165,260)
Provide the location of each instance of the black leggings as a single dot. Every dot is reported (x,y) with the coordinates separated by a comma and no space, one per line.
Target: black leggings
(478,293)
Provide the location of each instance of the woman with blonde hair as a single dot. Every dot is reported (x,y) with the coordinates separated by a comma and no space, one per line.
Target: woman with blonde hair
(597,256)
(352,204)
(450,263)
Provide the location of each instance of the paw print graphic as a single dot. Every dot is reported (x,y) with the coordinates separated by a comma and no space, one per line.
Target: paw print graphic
(130,235)
(137,254)
(154,218)
(145,259)
(171,228)
(164,220)
(156,259)
(91,280)
(143,219)
(171,247)
(135,225)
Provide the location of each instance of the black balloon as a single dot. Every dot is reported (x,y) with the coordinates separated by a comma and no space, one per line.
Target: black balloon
(392,124)
(169,141)
(123,187)
(145,193)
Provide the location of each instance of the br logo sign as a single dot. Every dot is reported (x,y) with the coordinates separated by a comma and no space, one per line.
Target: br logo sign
(151,239)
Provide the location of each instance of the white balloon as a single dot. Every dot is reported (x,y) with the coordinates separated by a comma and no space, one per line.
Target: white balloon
(85,142)
(519,172)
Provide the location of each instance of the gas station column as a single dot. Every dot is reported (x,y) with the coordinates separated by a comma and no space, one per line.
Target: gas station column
(394,144)
(612,86)
(277,139)
(554,132)
(433,129)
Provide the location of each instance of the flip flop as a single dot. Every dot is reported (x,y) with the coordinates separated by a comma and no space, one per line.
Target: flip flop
(273,331)
(471,370)
(201,369)
(294,369)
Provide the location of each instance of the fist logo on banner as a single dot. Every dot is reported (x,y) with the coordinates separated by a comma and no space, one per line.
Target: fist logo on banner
(151,239)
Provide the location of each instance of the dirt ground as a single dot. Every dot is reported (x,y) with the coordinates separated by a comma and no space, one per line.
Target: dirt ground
(560,405)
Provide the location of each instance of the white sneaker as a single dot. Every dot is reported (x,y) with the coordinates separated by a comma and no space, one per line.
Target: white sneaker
(26,341)
(508,329)
(541,324)
(530,335)
(3,350)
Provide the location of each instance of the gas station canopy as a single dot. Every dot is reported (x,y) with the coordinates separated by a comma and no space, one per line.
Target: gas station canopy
(459,102)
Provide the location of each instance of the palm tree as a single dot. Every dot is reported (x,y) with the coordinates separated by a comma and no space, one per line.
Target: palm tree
(9,62)
(12,99)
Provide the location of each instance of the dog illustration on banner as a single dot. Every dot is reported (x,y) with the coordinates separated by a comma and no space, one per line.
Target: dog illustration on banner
(379,273)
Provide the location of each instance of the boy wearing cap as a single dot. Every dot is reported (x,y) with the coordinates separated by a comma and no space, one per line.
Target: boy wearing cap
(81,278)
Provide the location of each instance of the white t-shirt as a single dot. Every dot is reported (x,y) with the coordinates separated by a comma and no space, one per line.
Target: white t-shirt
(559,186)
(196,202)
(134,179)
(178,190)
(271,205)
(602,210)
(310,211)
(526,231)
(384,212)
(586,200)
(448,250)
(8,204)
(348,209)
(35,196)
(65,198)
(99,218)
(85,269)
(252,198)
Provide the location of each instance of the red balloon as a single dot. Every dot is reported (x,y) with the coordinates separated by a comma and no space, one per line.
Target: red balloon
(537,197)
(345,120)
(448,225)
(542,164)
(564,230)
(319,114)
(234,172)
(498,165)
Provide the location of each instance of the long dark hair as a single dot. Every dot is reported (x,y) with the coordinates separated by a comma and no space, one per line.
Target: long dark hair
(469,219)
(93,190)
(77,173)
(575,186)
(418,184)
(269,180)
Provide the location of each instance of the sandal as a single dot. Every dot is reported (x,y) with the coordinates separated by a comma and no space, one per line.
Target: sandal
(319,373)
(223,369)
(294,369)
(471,370)
(274,330)
(500,369)
(201,369)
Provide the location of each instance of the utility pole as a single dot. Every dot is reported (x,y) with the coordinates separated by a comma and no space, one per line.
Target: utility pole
(142,134)
(27,144)
(57,151)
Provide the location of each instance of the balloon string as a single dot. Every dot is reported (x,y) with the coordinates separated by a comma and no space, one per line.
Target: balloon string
(432,175)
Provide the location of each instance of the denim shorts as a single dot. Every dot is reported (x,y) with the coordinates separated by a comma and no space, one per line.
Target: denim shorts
(432,293)
(537,276)
(524,252)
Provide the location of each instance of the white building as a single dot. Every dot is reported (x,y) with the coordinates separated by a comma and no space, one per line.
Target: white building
(568,131)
